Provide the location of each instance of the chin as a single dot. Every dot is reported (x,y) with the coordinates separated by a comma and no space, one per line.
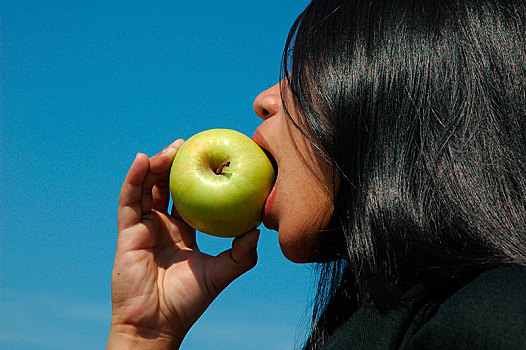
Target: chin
(305,244)
(298,249)
(298,257)
(317,248)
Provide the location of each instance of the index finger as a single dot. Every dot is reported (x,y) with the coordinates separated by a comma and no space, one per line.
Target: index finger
(160,165)
(130,209)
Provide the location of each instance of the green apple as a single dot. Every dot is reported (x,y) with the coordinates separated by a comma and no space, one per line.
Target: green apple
(219,182)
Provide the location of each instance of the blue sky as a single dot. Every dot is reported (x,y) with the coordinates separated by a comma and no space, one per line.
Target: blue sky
(84,86)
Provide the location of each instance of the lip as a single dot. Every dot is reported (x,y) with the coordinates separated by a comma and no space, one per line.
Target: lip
(260,140)
(266,213)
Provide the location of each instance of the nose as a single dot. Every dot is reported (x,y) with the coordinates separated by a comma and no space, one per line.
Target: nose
(268,103)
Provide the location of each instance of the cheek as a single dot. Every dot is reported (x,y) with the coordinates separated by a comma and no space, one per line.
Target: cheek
(305,196)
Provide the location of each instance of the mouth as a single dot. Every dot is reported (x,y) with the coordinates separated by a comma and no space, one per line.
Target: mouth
(268,220)
(262,143)
(272,161)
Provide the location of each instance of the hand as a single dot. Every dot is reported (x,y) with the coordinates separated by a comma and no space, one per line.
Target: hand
(161,283)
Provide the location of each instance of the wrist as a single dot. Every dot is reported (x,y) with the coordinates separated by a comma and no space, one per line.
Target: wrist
(124,337)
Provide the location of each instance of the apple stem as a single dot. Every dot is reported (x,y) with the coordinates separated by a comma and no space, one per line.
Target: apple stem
(220,167)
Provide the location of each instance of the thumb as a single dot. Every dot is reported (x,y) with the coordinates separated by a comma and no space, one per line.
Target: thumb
(233,262)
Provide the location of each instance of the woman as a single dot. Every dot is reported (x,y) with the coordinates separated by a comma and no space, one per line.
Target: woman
(400,135)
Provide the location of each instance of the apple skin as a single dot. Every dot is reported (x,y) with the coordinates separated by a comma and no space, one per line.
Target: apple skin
(228,204)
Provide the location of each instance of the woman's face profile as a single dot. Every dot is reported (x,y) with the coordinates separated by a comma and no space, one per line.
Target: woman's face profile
(301,200)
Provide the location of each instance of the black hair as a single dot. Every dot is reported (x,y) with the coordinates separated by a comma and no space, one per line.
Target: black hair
(420,108)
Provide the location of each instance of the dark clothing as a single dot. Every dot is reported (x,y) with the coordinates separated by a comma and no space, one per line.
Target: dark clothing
(488,313)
